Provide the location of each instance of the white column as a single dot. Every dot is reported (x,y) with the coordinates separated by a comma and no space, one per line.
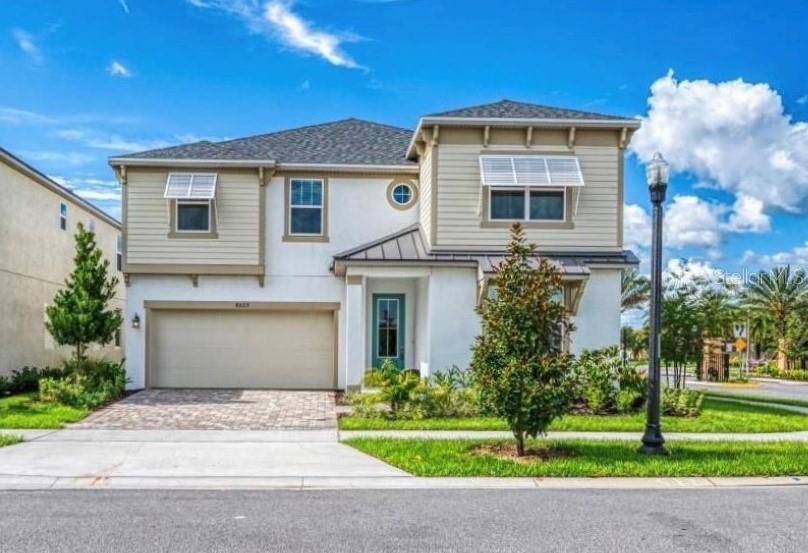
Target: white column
(354,330)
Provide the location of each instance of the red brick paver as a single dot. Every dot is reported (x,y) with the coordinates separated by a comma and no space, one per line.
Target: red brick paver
(217,410)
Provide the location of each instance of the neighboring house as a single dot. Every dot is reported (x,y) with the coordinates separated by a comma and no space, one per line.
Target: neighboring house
(38,219)
(298,259)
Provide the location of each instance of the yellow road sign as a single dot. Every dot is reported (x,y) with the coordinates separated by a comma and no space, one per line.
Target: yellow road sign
(740,344)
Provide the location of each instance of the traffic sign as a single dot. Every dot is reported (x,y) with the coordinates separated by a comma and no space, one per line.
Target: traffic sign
(740,344)
(740,330)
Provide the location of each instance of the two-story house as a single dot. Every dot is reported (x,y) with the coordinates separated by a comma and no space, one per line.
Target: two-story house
(38,219)
(299,258)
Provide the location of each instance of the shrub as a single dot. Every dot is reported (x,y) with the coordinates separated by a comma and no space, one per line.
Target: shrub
(629,401)
(373,379)
(517,361)
(27,379)
(681,402)
(5,386)
(605,385)
(98,383)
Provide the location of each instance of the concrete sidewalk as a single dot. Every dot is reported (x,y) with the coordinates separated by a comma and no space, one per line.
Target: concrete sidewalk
(165,459)
(630,436)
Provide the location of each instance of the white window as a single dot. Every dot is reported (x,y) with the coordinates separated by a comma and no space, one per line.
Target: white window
(306,207)
(62,215)
(119,252)
(529,188)
(194,194)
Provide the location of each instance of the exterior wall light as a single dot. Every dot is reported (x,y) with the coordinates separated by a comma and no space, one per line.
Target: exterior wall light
(136,321)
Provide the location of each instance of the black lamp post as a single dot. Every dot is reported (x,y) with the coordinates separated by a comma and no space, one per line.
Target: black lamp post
(657,176)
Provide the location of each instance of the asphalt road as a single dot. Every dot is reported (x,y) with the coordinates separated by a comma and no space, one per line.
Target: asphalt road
(784,389)
(759,520)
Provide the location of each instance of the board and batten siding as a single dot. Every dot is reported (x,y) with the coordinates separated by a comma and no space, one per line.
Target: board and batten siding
(148,226)
(425,192)
(459,200)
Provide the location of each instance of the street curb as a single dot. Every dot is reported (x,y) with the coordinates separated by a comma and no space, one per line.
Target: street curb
(797,436)
(32,483)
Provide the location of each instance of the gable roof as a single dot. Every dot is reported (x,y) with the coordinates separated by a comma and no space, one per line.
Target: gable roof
(407,246)
(41,178)
(509,109)
(345,142)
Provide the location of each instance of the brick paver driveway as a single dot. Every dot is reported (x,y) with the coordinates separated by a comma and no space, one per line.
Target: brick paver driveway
(217,410)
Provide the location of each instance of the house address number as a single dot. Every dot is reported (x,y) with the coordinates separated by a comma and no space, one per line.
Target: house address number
(242,305)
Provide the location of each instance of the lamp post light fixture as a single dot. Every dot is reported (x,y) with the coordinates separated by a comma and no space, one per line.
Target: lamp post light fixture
(136,321)
(657,176)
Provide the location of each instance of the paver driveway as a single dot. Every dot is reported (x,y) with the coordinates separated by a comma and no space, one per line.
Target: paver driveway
(217,410)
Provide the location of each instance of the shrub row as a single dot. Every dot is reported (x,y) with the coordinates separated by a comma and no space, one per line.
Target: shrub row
(27,379)
(603,386)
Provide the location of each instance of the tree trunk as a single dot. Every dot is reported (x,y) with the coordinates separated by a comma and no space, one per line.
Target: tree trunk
(520,443)
(782,357)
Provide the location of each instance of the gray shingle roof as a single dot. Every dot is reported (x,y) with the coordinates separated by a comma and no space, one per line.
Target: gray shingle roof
(345,142)
(408,246)
(508,109)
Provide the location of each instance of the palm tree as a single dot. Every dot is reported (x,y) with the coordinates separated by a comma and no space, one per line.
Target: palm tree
(635,289)
(779,294)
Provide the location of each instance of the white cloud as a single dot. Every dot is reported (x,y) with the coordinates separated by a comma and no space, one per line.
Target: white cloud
(103,141)
(124,6)
(732,134)
(16,116)
(57,157)
(91,188)
(795,256)
(117,69)
(305,85)
(636,227)
(27,43)
(276,20)
(692,221)
(802,100)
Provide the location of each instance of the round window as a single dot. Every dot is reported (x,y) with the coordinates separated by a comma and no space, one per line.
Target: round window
(402,194)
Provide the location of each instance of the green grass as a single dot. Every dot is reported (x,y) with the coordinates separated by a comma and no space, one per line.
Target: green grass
(8,439)
(716,416)
(593,458)
(763,399)
(25,411)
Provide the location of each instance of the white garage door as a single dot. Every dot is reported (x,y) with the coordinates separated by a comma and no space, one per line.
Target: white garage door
(242,349)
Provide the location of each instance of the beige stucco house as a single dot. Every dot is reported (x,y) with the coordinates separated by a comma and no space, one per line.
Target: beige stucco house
(38,219)
(300,258)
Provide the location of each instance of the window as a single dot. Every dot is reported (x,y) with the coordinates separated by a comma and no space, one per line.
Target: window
(193,196)
(402,194)
(306,207)
(546,205)
(526,204)
(527,187)
(193,216)
(119,252)
(62,215)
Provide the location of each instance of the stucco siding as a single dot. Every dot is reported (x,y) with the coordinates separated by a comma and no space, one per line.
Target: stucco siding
(460,201)
(36,256)
(598,317)
(148,222)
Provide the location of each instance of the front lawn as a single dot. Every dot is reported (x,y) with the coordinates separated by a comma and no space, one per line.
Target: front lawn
(592,458)
(26,411)
(716,416)
(7,439)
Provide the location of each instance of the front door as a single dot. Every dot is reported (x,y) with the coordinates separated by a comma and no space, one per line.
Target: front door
(388,329)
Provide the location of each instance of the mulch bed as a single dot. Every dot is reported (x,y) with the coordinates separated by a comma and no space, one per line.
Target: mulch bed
(507,451)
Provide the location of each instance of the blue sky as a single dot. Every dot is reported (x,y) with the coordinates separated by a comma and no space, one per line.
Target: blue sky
(86,80)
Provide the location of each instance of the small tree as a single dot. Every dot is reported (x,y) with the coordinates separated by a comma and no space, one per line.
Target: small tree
(517,361)
(80,314)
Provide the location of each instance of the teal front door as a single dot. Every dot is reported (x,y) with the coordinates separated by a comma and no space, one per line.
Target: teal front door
(388,329)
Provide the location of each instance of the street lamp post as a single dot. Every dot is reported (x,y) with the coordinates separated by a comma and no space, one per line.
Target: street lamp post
(657,176)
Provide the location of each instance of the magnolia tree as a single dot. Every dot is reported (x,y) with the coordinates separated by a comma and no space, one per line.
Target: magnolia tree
(518,361)
(80,314)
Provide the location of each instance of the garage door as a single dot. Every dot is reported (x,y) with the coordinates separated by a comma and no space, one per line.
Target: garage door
(242,349)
